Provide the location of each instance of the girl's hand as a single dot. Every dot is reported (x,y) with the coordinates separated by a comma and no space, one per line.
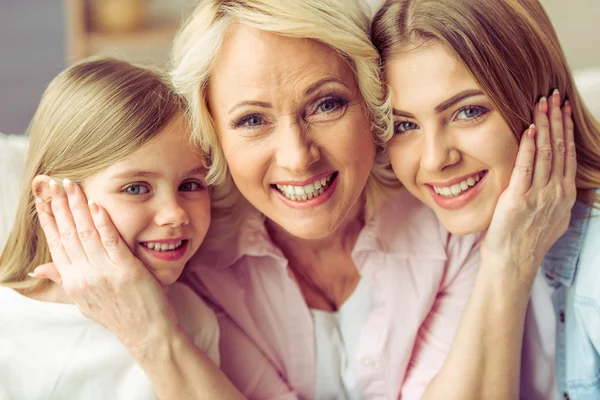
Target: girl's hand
(96,268)
(535,209)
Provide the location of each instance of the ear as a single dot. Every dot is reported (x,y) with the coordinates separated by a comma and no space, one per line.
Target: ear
(40,186)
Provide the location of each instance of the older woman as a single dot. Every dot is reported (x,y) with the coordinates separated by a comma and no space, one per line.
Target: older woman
(321,291)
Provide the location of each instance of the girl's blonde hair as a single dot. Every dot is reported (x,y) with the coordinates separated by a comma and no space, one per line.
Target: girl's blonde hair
(340,24)
(92,115)
(511,49)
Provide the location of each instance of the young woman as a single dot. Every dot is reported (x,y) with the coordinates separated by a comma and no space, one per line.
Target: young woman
(118,132)
(463,77)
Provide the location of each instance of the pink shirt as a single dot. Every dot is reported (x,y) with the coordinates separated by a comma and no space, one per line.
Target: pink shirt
(422,277)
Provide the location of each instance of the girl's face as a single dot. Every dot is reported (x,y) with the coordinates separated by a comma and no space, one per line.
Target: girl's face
(294,129)
(158,201)
(451,149)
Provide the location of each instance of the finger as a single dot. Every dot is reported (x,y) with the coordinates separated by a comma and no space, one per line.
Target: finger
(557,136)
(84,224)
(115,247)
(521,178)
(48,224)
(47,271)
(570,152)
(543,145)
(66,226)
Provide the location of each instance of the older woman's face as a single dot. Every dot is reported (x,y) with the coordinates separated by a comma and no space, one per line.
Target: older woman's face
(294,129)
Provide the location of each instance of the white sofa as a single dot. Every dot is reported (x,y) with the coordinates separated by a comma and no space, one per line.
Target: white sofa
(13,148)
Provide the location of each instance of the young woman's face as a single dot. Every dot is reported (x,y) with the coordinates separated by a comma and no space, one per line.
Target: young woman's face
(451,149)
(293,127)
(158,201)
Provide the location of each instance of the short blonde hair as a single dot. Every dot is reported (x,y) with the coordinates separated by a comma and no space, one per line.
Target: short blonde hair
(93,114)
(511,49)
(340,24)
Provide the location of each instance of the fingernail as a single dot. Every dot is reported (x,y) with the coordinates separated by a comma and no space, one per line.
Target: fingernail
(68,185)
(556,98)
(93,206)
(33,275)
(544,104)
(531,131)
(53,187)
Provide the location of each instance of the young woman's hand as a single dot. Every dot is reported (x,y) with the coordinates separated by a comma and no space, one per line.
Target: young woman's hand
(97,270)
(535,209)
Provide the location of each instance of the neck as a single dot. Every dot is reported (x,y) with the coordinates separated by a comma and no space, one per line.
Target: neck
(323,268)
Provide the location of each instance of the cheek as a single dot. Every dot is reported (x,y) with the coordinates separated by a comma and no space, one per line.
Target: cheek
(129,219)
(404,158)
(200,212)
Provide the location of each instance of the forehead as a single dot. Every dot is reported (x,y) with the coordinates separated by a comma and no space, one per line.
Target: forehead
(170,151)
(251,60)
(421,76)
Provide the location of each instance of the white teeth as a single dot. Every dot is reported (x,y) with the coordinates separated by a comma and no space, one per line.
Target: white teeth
(163,246)
(306,192)
(451,191)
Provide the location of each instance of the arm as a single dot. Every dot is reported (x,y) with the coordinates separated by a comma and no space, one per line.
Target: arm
(485,357)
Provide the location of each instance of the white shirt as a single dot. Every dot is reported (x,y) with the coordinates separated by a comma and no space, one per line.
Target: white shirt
(337,337)
(51,351)
(538,373)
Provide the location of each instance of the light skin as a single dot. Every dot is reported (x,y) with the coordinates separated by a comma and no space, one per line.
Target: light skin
(157,195)
(446,130)
(288,111)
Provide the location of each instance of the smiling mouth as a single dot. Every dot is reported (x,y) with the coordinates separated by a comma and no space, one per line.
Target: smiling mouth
(163,247)
(307,192)
(461,187)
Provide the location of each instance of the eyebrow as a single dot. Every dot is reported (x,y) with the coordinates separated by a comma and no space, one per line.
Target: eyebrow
(446,104)
(133,173)
(312,88)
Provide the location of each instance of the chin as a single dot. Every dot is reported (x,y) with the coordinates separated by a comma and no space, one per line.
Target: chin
(167,277)
(461,226)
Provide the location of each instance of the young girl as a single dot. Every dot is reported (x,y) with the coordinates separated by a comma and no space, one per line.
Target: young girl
(118,132)
(463,76)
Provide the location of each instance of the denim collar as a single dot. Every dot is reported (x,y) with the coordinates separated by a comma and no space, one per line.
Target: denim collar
(560,263)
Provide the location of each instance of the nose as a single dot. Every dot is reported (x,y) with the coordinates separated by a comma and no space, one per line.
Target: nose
(172,214)
(439,151)
(296,150)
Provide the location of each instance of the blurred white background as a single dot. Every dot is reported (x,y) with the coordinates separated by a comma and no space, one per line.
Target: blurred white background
(36,42)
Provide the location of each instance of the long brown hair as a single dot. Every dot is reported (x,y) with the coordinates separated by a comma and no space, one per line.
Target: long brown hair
(93,114)
(511,49)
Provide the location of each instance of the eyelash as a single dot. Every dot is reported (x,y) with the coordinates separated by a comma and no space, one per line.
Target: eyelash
(200,186)
(482,112)
(339,102)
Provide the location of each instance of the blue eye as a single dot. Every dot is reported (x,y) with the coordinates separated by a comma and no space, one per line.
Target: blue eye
(190,186)
(250,121)
(330,104)
(136,189)
(470,112)
(404,126)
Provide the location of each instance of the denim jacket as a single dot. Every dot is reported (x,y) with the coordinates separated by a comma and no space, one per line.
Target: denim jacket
(572,267)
